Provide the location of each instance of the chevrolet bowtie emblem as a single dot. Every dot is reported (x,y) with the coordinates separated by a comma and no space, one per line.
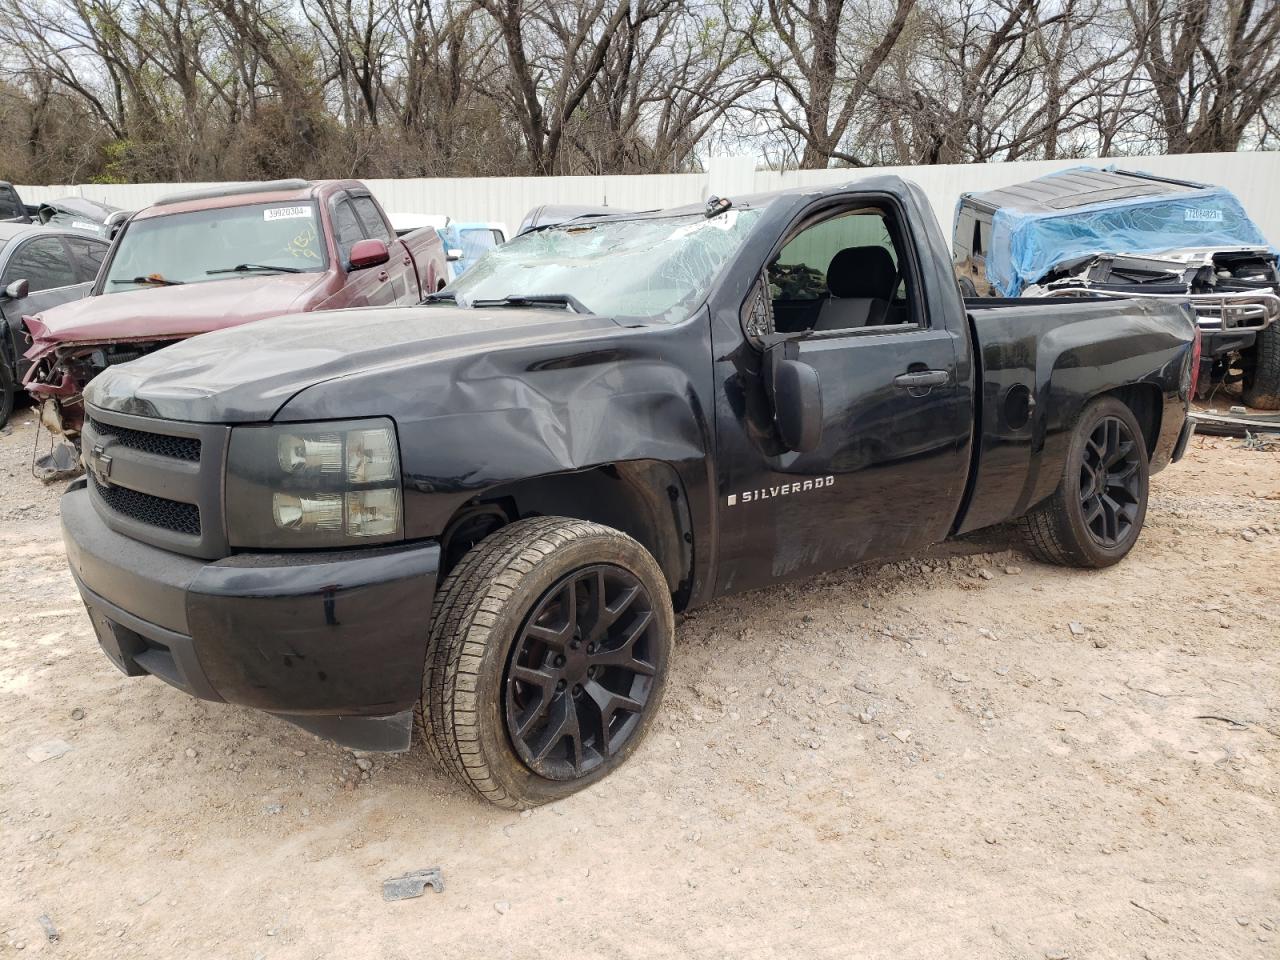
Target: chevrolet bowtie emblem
(100,464)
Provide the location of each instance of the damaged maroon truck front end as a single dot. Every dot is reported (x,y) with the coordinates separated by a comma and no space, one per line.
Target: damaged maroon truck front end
(219,258)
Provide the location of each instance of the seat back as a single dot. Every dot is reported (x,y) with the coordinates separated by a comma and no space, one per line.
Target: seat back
(861,281)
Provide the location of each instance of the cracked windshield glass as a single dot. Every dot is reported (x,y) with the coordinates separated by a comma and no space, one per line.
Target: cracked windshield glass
(219,244)
(655,268)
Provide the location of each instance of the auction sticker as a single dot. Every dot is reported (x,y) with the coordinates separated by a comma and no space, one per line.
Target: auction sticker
(287,213)
(1201,215)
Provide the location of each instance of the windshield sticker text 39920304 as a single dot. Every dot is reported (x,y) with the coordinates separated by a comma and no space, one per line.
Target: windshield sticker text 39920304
(286,213)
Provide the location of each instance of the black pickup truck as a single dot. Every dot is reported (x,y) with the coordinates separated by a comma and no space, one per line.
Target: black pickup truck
(485,510)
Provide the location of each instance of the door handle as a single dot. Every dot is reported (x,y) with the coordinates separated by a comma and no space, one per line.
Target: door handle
(408,261)
(384,276)
(921,378)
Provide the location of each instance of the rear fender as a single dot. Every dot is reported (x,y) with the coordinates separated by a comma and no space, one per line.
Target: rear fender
(1041,367)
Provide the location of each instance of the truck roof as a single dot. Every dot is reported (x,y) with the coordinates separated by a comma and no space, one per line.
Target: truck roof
(235,195)
(1078,187)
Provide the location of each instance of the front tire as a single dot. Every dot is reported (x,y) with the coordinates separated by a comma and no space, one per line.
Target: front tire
(546,661)
(1094,517)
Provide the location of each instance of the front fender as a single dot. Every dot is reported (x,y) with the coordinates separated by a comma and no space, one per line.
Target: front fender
(470,422)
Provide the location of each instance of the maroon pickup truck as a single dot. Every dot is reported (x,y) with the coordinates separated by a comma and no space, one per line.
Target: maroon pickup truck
(247,252)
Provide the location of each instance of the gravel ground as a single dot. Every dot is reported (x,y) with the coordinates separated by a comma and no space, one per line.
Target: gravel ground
(969,755)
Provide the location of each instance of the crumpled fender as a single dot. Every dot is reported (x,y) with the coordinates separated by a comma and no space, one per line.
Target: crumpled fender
(467,422)
(42,343)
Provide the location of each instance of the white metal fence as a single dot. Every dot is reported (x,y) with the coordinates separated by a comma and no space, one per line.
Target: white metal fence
(1253,177)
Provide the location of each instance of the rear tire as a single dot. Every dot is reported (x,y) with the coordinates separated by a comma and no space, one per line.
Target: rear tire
(1262,389)
(546,661)
(1094,517)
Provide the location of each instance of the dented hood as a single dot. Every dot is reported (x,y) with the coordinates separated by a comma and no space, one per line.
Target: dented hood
(158,313)
(248,373)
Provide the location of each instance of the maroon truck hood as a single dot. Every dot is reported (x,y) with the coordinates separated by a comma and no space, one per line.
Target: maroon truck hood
(173,312)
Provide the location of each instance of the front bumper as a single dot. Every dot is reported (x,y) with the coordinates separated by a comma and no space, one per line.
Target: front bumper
(1216,342)
(334,641)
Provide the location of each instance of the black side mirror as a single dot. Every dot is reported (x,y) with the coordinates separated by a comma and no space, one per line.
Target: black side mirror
(17,290)
(796,395)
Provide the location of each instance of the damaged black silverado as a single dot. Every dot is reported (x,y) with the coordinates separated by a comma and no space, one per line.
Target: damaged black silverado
(485,509)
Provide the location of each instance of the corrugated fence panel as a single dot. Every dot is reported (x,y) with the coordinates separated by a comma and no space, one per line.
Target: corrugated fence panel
(1253,177)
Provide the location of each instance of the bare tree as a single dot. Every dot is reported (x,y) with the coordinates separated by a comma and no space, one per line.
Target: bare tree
(1214,67)
(820,68)
(242,89)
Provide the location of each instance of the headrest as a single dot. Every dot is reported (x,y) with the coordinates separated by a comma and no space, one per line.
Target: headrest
(862,272)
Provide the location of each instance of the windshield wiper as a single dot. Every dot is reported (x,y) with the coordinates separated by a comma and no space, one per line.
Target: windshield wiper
(158,281)
(439,295)
(536,300)
(248,267)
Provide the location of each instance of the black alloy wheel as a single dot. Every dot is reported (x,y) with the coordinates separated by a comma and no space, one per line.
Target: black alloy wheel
(581,672)
(1109,482)
(1095,515)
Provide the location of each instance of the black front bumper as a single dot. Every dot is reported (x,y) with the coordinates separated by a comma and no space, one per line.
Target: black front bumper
(333,642)
(1215,343)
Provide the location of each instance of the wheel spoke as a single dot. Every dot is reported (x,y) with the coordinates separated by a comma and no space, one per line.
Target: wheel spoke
(623,655)
(609,703)
(1112,512)
(559,634)
(564,723)
(1094,511)
(1096,446)
(1121,452)
(539,678)
(526,721)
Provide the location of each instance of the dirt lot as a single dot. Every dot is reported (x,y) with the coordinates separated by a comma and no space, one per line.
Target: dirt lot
(925,759)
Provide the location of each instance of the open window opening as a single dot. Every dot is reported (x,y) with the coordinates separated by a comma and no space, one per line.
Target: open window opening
(844,269)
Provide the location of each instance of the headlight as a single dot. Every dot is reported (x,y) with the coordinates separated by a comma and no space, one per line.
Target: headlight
(314,485)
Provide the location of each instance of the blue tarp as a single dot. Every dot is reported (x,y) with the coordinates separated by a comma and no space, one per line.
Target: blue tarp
(1026,244)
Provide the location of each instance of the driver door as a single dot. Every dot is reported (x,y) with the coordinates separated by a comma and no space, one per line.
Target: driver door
(843,297)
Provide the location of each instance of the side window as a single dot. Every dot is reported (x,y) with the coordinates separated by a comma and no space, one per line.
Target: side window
(87,255)
(841,273)
(374,226)
(961,241)
(9,205)
(981,237)
(347,228)
(43,263)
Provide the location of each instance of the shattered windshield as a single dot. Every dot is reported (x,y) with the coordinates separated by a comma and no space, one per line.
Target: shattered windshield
(654,268)
(218,244)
